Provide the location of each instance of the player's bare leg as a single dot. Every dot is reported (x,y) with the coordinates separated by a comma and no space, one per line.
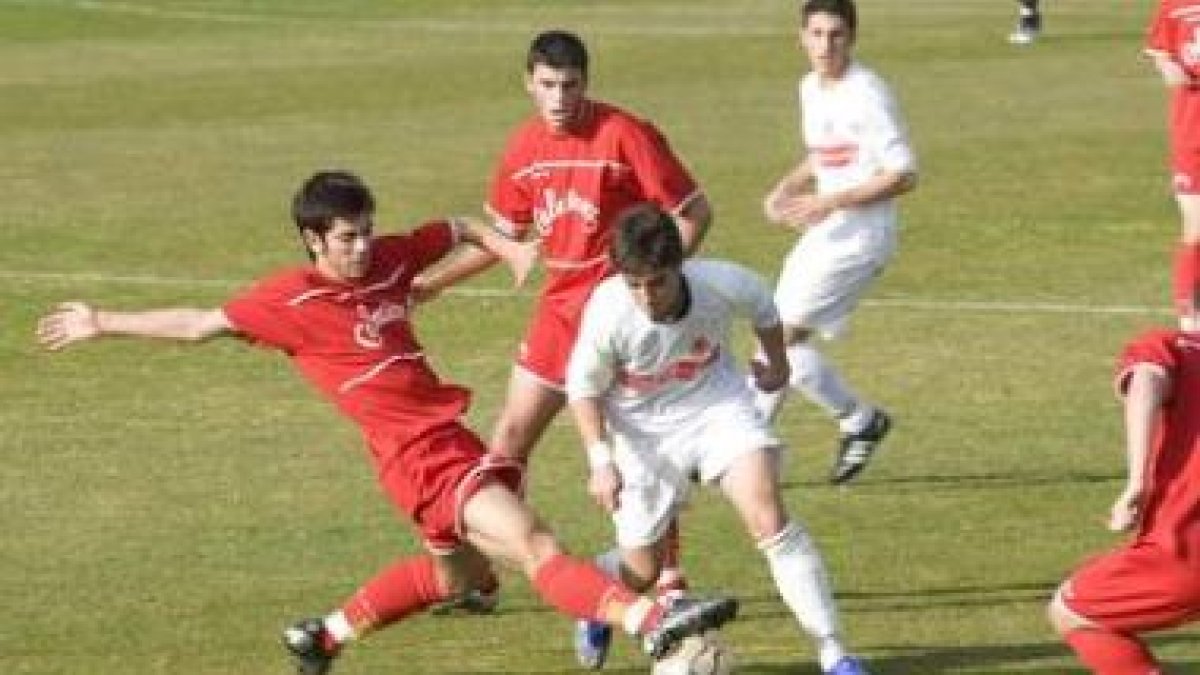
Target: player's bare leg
(751,485)
(1186,273)
(501,525)
(1102,650)
(529,407)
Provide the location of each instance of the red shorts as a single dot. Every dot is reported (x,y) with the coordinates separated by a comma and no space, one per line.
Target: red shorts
(1185,172)
(432,478)
(548,341)
(1134,589)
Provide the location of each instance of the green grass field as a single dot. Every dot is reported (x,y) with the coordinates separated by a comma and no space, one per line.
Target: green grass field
(169,509)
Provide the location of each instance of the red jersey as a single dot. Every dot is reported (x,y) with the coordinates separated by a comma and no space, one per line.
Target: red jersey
(1171,509)
(1175,31)
(354,342)
(570,187)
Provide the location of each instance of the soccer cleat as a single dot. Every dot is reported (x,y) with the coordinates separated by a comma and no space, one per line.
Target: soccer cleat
(592,639)
(856,449)
(847,665)
(304,640)
(472,602)
(687,616)
(1029,26)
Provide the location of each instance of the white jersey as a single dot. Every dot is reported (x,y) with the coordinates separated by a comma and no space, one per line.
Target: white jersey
(652,377)
(852,130)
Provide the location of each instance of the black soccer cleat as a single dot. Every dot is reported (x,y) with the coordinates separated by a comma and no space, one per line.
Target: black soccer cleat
(303,641)
(687,616)
(856,449)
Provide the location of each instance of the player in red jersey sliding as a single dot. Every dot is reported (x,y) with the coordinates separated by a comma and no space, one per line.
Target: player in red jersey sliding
(1173,43)
(565,176)
(344,321)
(1153,581)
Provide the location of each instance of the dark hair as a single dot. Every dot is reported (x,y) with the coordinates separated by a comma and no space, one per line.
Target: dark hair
(841,8)
(328,195)
(557,49)
(646,239)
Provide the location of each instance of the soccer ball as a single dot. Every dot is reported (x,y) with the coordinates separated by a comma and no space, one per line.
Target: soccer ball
(705,654)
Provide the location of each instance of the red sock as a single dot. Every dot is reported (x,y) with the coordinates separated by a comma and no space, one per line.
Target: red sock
(581,590)
(1108,653)
(408,586)
(1186,278)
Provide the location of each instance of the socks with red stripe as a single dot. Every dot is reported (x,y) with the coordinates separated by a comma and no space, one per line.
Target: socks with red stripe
(405,588)
(582,591)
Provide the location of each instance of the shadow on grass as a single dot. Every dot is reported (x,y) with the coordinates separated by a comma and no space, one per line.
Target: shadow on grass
(966,481)
(931,660)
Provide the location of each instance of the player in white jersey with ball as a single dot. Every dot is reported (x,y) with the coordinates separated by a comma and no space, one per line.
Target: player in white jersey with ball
(657,397)
(841,198)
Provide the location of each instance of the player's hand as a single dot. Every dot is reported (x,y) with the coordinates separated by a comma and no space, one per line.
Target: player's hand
(520,257)
(422,290)
(69,322)
(604,484)
(1174,74)
(769,377)
(1126,510)
(803,210)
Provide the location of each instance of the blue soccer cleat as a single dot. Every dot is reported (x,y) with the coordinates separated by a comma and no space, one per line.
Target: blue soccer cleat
(592,639)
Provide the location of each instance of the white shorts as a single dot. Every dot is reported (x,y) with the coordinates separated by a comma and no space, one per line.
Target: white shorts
(656,469)
(824,278)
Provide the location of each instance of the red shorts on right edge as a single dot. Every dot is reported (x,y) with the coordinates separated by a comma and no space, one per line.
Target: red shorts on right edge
(1185,171)
(1135,589)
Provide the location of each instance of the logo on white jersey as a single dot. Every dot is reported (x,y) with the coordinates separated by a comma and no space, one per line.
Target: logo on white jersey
(686,368)
(368,331)
(555,206)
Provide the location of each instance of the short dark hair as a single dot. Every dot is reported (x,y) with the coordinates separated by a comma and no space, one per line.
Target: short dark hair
(557,49)
(841,8)
(328,195)
(646,239)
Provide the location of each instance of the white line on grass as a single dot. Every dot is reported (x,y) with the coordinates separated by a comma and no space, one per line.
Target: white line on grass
(920,304)
(485,24)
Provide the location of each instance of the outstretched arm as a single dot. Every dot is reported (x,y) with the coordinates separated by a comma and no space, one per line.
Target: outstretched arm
(1144,396)
(487,248)
(76,321)
(693,221)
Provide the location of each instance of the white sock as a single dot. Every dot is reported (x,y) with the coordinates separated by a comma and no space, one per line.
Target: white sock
(858,420)
(339,628)
(804,585)
(609,562)
(815,377)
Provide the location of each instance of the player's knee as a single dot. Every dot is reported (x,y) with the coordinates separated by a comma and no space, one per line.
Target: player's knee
(536,548)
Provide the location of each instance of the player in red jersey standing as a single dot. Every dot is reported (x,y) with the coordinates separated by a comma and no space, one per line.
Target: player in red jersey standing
(565,176)
(1173,43)
(1153,581)
(344,322)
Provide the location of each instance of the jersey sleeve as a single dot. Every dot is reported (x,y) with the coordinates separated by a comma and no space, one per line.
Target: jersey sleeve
(428,243)
(745,291)
(1153,348)
(261,315)
(659,173)
(592,366)
(888,133)
(509,203)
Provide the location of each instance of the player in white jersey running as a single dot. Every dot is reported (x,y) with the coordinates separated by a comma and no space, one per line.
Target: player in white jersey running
(841,198)
(657,397)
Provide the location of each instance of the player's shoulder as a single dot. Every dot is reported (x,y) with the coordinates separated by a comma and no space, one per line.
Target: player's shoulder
(1164,338)
(608,118)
